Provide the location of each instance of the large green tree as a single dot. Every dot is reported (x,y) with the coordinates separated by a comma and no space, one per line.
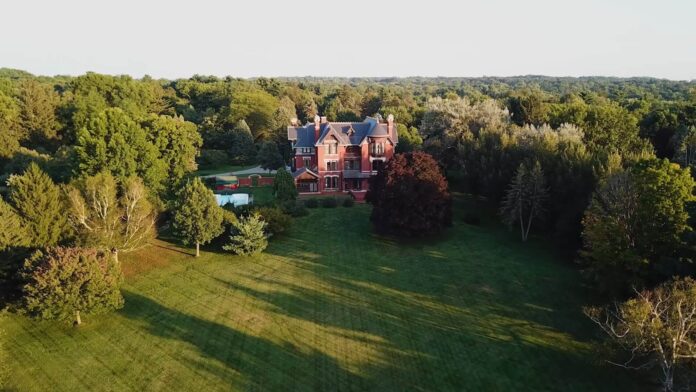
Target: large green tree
(65,283)
(635,223)
(40,205)
(197,218)
(178,142)
(112,141)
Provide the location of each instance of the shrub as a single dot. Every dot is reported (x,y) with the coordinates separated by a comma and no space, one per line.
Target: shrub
(294,209)
(63,283)
(329,202)
(284,186)
(311,203)
(276,220)
(248,236)
(348,202)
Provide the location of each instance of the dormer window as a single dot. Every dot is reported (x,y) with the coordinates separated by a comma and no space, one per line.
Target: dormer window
(332,147)
(351,131)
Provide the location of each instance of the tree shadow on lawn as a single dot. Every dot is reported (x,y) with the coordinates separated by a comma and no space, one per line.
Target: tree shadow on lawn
(446,320)
(245,362)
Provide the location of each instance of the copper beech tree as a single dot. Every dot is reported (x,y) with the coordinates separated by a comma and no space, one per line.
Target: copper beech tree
(410,197)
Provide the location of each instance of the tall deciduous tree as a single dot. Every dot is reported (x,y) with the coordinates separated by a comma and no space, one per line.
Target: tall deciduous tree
(65,283)
(110,217)
(525,198)
(112,141)
(178,142)
(410,196)
(197,217)
(657,328)
(634,225)
(40,205)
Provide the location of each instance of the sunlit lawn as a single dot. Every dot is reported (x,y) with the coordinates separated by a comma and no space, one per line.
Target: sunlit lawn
(330,307)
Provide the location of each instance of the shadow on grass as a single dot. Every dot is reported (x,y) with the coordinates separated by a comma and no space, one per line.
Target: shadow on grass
(263,365)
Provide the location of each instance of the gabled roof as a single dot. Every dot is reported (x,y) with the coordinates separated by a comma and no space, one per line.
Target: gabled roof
(347,133)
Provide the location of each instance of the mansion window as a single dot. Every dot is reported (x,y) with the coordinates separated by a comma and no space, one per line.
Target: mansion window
(331,182)
(377,165)
(352,184)
(377,148)
(307,161)
(306,150)
(332,148)
(351,164)
(331,165)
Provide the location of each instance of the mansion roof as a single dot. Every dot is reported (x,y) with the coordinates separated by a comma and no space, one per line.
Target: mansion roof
(347,133)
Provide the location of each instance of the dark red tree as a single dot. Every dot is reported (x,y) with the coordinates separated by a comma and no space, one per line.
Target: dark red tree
(410,197)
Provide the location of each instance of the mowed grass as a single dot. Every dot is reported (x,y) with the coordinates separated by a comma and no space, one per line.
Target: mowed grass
(330,306)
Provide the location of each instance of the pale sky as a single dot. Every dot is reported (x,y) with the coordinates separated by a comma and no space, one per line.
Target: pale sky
(248,38)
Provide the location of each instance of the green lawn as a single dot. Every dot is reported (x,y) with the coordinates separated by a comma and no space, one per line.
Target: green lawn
(330,307)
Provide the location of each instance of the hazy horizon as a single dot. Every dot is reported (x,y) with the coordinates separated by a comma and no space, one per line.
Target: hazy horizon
(309,38)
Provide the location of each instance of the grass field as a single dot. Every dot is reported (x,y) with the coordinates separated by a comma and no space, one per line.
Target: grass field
(330,307)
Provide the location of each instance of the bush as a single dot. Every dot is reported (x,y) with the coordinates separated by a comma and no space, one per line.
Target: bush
(329,202)
(311,203)
(213,158)
(248,236)
(276,220)
(294,209)
(348,202)
(472,218)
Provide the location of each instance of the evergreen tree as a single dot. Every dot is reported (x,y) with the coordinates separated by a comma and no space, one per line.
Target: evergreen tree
(40,204)
(269,157)
(65,283)
(38,103)
(197,217)
(243,149)
(248,236)
(284,186)
(525,198)
(9,127)
(12,232)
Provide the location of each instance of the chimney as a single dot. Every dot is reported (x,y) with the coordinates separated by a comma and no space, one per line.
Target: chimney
(324,120)
(293,122)
(390,125)
(317,133)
